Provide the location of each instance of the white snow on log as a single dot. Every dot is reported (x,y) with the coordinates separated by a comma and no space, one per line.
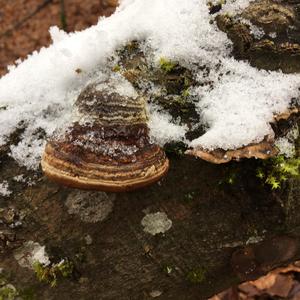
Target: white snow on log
(37,94)
(4,189)
(286,144)
(171,131)
(30,253)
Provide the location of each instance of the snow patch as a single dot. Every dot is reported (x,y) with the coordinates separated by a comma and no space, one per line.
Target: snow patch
(119,85)
(286,144)
(162,129)
(4,189)
(30,253)
(255,30)
(286,147)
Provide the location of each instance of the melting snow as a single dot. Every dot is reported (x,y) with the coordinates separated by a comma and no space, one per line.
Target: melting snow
(37,94)
(286,144)
(30,253)
(4,189)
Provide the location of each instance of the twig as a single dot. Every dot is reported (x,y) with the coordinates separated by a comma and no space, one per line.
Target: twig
(63,17)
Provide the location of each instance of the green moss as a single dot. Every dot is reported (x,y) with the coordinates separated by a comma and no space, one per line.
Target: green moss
(167,65)
(8,292)
(186,93)
(168,269)
(232,172)
(52,273)
(175,148)
(189,196)
(275,171)
(45,274)
(229,179)
(179,101)
(131,46)
(116,68)
(197,275)
(66,268)
(27,294)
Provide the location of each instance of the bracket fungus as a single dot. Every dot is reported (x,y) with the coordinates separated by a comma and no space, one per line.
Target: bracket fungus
(262,150)
(111,151)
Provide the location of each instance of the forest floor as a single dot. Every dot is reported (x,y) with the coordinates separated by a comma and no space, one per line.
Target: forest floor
(24,24)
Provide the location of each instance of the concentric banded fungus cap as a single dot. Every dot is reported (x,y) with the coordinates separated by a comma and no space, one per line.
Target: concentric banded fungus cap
(110,152)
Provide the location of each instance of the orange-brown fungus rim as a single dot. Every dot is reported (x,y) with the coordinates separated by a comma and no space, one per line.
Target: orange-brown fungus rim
(73,181)
(262,150)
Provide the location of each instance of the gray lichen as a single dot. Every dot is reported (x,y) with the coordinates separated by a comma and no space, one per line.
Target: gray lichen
(91,207)
(156,223)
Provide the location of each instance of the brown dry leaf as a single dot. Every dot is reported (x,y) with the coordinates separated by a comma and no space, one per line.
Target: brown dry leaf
(295,291)
(22,30)
(295,267)
(230,294)
(249,289)
(282,286)
(274,284)
(265,282)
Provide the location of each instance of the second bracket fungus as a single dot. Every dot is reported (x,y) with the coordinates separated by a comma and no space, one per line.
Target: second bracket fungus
(108,147)
(262,150)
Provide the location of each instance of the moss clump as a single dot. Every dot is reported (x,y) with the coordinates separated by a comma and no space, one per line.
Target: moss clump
(230,177)
(66,268)
(275,171)
(27,294)
(8,292)
(197,275)
(175,148)
(116,68)
(167,65)
(185,93)
(189,196)
(52,273)
(168,269)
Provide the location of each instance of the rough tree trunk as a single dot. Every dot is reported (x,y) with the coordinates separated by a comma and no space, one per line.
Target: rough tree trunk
(221,233)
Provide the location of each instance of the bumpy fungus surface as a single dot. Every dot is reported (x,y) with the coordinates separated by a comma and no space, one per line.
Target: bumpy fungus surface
(111,151)
(266,33)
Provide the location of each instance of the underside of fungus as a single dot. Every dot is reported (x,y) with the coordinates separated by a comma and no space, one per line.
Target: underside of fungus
(262,150)
(110,152)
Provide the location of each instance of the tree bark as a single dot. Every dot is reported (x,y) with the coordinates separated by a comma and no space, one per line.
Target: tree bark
(221,234)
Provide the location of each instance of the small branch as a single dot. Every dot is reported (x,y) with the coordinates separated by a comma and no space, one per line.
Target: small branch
(63,17)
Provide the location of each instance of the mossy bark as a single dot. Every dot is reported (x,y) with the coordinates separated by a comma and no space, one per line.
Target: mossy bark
(200,255)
